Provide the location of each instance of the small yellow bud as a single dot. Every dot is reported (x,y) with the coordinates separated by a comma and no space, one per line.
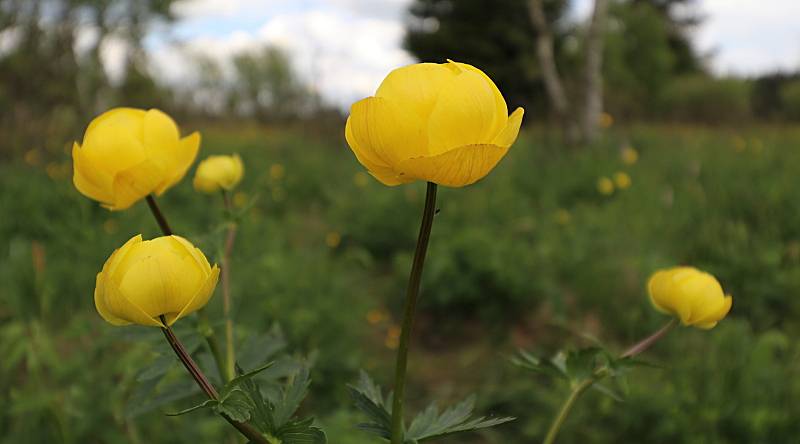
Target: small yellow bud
(143,280)
(622,180)
(605,186)
(129,153)
(692,295)
(218,172)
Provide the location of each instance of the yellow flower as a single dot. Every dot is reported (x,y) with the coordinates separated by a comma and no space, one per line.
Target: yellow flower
(629,155)
(333,239)
(143,280)
(444,123)
(605,186)
(606,120)
(129,153)
(692,295)
(622,180)
(218,172)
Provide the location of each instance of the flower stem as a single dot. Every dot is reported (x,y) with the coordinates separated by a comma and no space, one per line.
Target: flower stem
(245,429)
(408,316)
(599,374)
(162,221)
(230,352)
(577,391)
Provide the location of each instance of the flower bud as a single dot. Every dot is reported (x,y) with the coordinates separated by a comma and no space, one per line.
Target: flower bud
(692,295)
(129,153)
(143,280)
(218,172)
(443,123)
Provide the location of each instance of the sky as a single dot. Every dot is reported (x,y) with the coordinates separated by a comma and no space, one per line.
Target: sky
(344,48)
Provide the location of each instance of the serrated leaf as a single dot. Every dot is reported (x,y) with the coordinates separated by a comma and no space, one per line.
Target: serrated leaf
(608,391)
(429,424)
(236,404)
(291,397)
(553,367)
(368,399)
(301,432)
(581,364)
(209,403)
(234,383)
(262,411)
(261,348)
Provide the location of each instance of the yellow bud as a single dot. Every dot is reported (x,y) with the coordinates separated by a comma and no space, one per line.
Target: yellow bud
(129,153)
(605,186)
(692,295)
(444,123)
(144,280)
(622,180)
(218,172)
(629,155)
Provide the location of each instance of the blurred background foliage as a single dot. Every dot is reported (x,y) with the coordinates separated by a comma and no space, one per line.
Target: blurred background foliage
(535,256)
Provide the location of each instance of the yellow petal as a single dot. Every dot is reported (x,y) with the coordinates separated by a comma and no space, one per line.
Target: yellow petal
(501,108)
(383,134)
(455,168)
(181,158)
(657,287)
(508,135)
(135,183)
(415,87)
(114,141)
(89,180)
(376,167)
(200,298)
(464,114)
(716,314)
(199,258)
(100,303)
(124,309)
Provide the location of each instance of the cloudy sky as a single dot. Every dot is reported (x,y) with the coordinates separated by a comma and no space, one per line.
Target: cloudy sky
(345,47)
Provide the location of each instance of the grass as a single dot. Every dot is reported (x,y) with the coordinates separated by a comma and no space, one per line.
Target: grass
(534,256)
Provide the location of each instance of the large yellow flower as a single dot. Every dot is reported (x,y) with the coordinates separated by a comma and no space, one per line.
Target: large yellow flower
(129,153)
(694,296)
(443,123)
(144,280)
(218,172)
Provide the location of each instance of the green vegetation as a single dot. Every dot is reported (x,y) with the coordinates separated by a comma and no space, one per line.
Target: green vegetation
(533,256)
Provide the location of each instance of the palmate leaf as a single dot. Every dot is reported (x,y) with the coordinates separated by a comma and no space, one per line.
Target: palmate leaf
(291,397)
(301,432)
(368,398)
(429,424)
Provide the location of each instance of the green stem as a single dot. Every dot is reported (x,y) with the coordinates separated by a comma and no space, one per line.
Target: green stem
(398,429)
(207,331)
(245,429)
(577,391)
(230,352)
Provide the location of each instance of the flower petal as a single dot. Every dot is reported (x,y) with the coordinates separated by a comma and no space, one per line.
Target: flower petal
(508,135)
(113,141)
(455,168)
(465,114)
(415,87)
(200,299)
(181,158)
(89,180)
(135,183)
(383,134)
(500,103)
(100,302)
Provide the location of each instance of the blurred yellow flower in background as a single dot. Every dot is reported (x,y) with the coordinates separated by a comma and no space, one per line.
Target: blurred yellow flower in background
(629,155)
(333,239)
(218,172)
(739,144)
(129,153)
(360,179)
(605,186)
(143,280)
(606,120)
(444,123)
(622,180)
(392,340)
(277,171)
(376,316)
(692,295)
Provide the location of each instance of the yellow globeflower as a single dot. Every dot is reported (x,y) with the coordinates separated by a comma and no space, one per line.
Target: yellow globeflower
(218,172)
(605,186)
(143,280)
(692,295)
(129,153)
(622,180)
(444,123)
(629,155)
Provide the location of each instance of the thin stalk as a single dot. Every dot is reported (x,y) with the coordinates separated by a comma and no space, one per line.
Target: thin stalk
(599,374)
(245,429)
(408,315)
(230,352)
(211,340)
(577,391)
(162,221)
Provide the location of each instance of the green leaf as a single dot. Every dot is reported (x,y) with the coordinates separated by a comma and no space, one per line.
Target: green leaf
(301,432)
(209,403)
(553,367)
(236,404)
(262,411)
(429,424)
(235,382)
(291,397)
(368,398)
